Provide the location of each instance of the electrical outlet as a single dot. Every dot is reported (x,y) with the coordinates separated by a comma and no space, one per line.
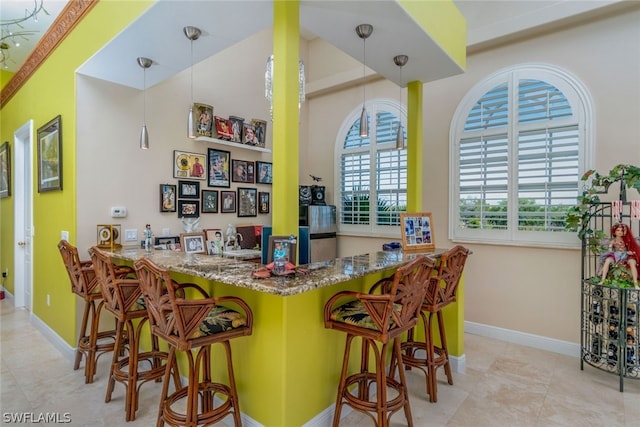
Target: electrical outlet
(130,235)
(5,273)
(64,235)
(48,300)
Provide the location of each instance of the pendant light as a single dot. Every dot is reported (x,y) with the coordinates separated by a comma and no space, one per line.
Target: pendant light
(364,31)
(144,134)
(400,61)
(192,34)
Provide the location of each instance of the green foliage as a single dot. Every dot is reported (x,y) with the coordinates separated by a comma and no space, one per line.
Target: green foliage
(579,215)
(356,210)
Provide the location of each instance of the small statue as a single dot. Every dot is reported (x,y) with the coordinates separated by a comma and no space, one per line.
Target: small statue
(147,236)
(190,224)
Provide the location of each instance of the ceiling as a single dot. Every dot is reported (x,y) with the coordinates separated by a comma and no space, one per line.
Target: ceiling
(10,10)
(157,34)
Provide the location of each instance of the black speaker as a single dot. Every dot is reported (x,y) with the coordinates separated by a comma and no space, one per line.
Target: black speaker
(305,196)
(317,191)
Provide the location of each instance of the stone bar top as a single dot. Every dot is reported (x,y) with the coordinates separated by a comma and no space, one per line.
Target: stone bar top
(237,272)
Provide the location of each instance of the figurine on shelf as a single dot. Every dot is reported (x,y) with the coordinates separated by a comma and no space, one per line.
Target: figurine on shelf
(622,249)
(147,236)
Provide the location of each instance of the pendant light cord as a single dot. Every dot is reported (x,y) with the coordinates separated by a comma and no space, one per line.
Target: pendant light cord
(144,97)
(191,72)
(364,71)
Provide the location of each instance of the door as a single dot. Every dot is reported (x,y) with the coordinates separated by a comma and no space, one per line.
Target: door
(23,249)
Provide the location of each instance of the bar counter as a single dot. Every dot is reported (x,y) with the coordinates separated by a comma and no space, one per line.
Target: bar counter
(287,371)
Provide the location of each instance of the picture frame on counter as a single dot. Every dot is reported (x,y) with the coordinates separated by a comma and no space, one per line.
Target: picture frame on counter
(264,172)
(188,208)
(242,171)
(209,201)
(227,201)
(282,246)
(264,202)
(188,165)
(247,202)
(188,190)
(193,243)
(168,197)
(417,231)
(215,241)
(218,168)
(167,242)
(50,155)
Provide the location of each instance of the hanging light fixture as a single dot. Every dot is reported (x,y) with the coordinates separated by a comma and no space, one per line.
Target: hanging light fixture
(192,34)
(268,84)
(144,134)
(400,61)
(364,31)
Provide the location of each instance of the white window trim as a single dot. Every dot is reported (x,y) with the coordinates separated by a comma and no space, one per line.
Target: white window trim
(582,103)
(372,229)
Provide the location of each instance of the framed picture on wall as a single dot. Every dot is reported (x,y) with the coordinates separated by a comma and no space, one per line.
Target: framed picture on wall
(167,198)
(417,231)
(265,170)
(188,189)
(242,171)
(188,208)
(209,201)
(219,161)
(50,156)
(228,201)
(247,201)
(263,202)
(189,165)
(5,170)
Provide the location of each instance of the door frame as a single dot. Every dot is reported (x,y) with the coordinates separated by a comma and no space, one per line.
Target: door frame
(23,272)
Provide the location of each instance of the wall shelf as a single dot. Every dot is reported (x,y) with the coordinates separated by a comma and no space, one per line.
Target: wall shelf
(232,144)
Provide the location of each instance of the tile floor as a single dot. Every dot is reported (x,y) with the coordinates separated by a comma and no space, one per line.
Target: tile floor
(504,385)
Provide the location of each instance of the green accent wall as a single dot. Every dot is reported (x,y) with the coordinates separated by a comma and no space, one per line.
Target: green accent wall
(50,91)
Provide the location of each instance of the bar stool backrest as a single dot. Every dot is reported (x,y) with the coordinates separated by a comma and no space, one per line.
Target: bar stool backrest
(81,273)
(444,285)
(120,294)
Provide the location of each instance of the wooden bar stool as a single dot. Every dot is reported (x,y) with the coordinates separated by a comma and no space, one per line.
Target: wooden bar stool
(84,283)
(189,324)
(381,316)
(123,298)
(441,292)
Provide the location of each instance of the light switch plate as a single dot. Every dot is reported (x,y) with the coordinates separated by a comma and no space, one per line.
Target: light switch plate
(64,235)
(130,235)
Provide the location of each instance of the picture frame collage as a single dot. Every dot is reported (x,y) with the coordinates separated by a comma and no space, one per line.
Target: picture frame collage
(236,129)
(204,185)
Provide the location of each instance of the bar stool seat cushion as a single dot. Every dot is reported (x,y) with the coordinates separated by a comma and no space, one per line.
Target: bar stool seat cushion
(220,319)
(356,313)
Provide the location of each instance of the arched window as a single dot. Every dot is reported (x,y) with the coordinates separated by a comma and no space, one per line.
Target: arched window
(372,174)
(520,142)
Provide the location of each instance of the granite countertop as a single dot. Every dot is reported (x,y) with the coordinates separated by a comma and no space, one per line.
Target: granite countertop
(237,272)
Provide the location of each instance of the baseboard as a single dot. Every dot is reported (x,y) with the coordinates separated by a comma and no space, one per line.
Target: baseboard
(522,338)
(67,351)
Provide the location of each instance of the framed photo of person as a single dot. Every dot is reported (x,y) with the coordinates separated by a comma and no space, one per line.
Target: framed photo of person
(215,241)
(260,127)
(203,116)
(263,202)
(167,198)
(223,128)
(227,201)
(193,243)
(282,247)
(50,156)
(188,190)
(247,202)
(264,172)
(218,172)
(417,231)
(5,170)
(249,134)
(242,171)
(189,165)
(236,128)
(188,208)
(209,201)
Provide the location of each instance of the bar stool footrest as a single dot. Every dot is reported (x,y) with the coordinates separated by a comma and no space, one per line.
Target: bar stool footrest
(362,405)
(213,415)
